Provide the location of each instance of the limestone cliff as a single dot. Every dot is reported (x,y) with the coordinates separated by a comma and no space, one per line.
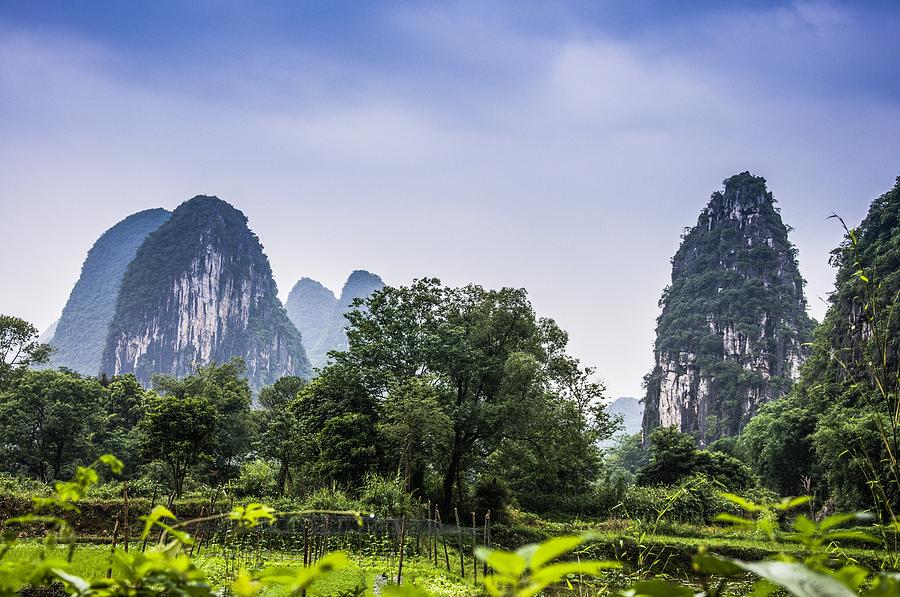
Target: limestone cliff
(80,333)
(733,320)
(200,290)
(320,316)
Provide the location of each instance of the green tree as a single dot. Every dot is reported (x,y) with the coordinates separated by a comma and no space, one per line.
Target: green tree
(484,351)
(48,420)
(279,427)
(19,346)
(178,431)
(416,430)
(123,407)
(777,443)
(226,388)
(673,456)
(336,420)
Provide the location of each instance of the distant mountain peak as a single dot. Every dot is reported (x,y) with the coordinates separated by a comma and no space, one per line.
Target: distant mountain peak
(319,315)
(80,333)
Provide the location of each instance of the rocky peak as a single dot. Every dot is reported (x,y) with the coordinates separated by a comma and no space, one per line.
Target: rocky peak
(200,290)
(361,284)
(320,316)
(733,319)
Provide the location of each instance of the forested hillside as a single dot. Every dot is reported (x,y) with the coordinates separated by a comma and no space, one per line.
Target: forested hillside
(80,333)
(733,325)
(837,432)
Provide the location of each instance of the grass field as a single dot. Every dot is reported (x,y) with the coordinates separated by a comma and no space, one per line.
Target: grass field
(91,561)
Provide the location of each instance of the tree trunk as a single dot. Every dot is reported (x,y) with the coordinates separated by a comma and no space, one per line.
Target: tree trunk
(450,476)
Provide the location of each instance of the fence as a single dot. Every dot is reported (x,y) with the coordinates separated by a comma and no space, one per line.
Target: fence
(306,538)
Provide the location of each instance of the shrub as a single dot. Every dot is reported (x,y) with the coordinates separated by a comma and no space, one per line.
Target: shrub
(386,497)
(492,494)
(330,498)
(256,479)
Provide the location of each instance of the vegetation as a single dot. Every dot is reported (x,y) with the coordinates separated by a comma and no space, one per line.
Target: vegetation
(836,434)
(80,335)
(734,317)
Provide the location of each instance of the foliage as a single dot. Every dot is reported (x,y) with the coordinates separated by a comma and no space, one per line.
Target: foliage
(48,420)
(674,457)
(177,430)
(498,375)
(19,346)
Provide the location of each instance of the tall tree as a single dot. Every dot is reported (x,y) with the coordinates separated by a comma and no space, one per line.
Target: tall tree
(179,432)
(226,388)
(484,351)
(19,346)
(48,420)
(279,426)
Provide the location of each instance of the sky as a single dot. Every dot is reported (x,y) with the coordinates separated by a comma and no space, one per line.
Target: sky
(558,146)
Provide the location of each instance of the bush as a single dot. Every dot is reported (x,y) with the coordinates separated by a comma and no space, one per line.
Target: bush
(492,494)
(386,497)
(14,485)
(330,498)
(256,479)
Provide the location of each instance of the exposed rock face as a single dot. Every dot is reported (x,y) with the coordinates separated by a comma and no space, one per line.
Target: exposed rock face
(320,316)
(200,290)
(80,333)
(733,319)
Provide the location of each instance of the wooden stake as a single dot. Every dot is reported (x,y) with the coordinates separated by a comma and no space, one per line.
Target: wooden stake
(127,528)
(152,504)
(402,540)
(474,560)
(462,564)
(112,549)
(443,539)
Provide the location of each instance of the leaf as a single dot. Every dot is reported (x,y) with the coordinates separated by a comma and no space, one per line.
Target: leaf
(115,465)
(155,515)
(244,585)
(725,517)
(77,582)
(657,588)
(852,536)
(712,564)
(552,549)
(791,503)
(251,514)
(503,562)
(804,525)
(743,503)
(555,572)
(797,579)
(838,519)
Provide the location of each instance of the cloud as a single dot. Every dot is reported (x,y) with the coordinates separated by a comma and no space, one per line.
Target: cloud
(477,144)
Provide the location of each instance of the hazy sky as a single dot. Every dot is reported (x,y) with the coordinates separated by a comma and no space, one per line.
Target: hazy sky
(559,146)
